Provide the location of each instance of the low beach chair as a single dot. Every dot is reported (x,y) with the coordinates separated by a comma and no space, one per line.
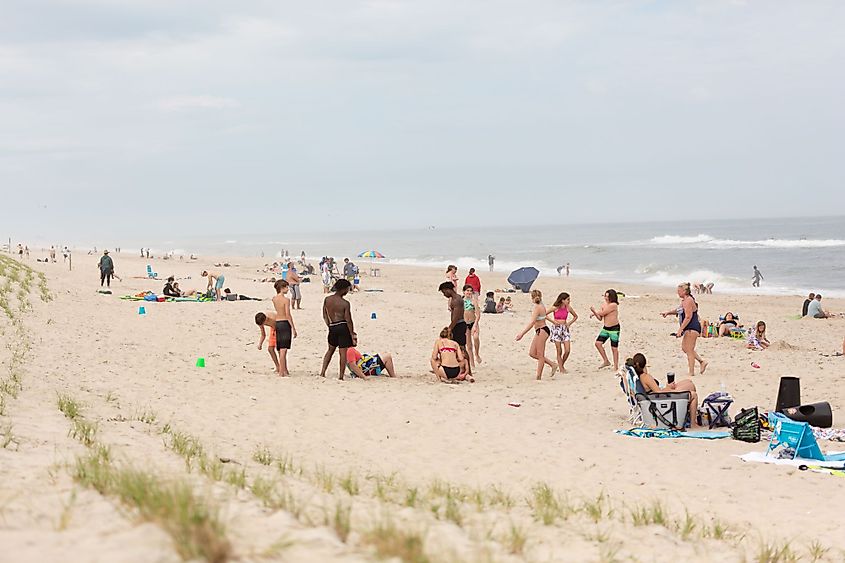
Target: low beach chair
(150,273)
(716,406)
(797,438)
(629,380)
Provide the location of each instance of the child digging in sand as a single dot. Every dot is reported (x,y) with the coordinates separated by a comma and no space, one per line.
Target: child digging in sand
(609,315)
(757,338)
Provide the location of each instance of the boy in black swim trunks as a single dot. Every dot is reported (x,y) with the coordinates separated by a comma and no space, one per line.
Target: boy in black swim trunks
(285,329)
(338,317)
(458,325)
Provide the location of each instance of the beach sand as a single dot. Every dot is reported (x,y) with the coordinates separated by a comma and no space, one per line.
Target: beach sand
(454,464)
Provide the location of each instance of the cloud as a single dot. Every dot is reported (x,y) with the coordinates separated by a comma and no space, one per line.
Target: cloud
(182,103)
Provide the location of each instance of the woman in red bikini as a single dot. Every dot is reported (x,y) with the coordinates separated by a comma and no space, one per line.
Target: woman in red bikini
(447,360)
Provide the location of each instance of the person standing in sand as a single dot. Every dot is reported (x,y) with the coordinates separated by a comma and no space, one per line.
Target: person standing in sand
(473,281)
(337,315)
(217,280)
(490,260)
(106,266)
(285,329)
(690,328)
(295,292)
(537,350)
(609,315)
(472,317)
(561,312)
(452,275)
(268,320)
(53,254)
(458,326)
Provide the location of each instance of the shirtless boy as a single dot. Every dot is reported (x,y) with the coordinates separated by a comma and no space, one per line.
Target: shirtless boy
(338,317)
(609,315)
(457,325)
(295,291)
(217,280)
(285,329)
(268,319)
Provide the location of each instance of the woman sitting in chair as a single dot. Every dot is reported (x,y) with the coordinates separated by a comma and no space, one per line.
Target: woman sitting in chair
(727,324)
(649,385)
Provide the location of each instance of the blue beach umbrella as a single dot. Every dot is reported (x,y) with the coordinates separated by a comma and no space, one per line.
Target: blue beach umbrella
(523,278)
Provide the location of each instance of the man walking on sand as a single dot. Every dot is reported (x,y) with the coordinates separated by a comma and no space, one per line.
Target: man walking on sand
(457,325)
(490,260)
(337,315)
(106,266)
(268,320)
(285,329)
(217,280)
(295,292)
(756,278)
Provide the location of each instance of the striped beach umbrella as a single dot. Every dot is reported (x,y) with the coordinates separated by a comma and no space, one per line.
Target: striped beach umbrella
(371,254)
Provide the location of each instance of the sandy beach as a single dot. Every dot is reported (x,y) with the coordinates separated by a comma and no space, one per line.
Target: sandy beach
(312,469)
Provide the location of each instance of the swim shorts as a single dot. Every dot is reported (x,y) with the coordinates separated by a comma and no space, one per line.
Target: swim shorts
(220,281)
(284,335)
(611,332)
(272,338)
(560,333)
(459,333)
(339,335)
(295,292)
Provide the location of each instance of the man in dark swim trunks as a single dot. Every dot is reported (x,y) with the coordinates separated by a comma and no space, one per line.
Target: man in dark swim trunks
(457,325)
(338,317)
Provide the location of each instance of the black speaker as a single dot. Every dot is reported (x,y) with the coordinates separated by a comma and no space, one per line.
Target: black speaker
(789,393)
(815,414)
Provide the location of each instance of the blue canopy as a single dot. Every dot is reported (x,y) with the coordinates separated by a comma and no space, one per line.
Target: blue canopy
(523,278)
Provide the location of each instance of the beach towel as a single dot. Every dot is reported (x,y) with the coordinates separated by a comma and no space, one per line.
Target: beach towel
(666,433)
(761,457)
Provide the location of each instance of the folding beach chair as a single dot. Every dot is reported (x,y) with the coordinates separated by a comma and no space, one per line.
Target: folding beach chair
(714,410)
(150,273)
(629,381)
(796,437)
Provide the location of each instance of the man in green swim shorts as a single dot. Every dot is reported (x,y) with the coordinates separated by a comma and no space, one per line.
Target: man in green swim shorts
(609,315)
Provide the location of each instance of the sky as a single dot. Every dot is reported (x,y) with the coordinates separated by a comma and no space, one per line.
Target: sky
(127,117)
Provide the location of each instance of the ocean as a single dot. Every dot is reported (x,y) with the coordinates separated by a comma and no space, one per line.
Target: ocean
(795,256)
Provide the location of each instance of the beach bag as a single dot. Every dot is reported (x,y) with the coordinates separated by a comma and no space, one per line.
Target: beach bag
(664,410)
(746,426)
(150,297)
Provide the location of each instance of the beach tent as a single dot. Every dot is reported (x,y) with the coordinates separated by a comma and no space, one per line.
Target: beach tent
(523,278)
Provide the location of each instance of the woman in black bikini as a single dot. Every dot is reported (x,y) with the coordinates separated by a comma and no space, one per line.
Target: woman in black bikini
(447,359)
(537,350)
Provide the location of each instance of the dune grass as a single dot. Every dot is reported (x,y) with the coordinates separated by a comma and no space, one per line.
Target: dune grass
(68,405)
(389,541)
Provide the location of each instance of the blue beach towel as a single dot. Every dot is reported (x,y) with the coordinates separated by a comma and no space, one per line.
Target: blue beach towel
(665,433)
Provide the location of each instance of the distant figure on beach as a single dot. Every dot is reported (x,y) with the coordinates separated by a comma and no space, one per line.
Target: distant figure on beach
(326,275)
(148,253)
(448,362)
(65,253)
(490,260)
(473,281)
(649,385)
(216,280)
(457,325)
(350,270)
(142,252)
(295,290)
(563,316)
(609,315)
(268,320)
(690,327)
(560,269)
(26,251)
(567,269)
(53,254)
(472,317)
(756,277)
(814,309)
(337,314)
(365,365)
(106,266)
(452,275)
(20,252)
(537,350)
(807,302)
(285,329)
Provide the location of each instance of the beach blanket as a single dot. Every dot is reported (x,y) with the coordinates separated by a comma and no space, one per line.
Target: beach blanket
(665,433)
(200,299)
(761,457)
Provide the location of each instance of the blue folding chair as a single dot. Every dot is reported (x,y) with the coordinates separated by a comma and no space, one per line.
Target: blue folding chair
(150,273)
(798,438)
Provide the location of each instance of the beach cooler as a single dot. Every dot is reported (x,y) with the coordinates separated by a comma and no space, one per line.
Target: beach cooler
(664,410)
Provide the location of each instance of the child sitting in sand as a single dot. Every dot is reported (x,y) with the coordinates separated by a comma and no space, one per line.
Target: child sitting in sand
(757,338)
(490,303)
(447,360)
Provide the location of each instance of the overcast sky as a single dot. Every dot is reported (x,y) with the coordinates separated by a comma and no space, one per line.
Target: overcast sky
(216,116)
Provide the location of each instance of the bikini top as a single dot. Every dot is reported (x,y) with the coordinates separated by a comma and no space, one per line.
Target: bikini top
(562,314)
(468,306)
(448,349)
